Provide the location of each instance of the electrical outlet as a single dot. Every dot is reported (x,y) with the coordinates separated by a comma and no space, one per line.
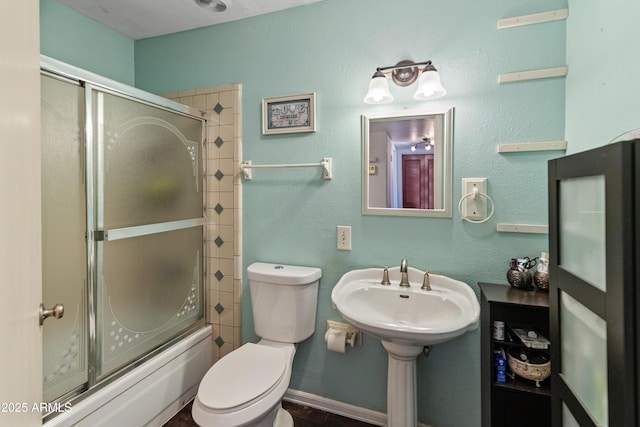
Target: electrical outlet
(474,208)
(344,237)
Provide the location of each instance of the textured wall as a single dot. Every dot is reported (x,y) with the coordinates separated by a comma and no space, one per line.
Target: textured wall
(77,40)
(602,86)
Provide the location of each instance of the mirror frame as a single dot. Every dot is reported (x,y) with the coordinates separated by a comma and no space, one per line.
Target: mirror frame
(447,164)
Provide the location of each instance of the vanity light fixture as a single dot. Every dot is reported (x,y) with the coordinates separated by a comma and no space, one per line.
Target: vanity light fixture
(404,73)
(214,5)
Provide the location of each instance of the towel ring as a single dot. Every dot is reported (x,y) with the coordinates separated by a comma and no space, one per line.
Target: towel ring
(473,194)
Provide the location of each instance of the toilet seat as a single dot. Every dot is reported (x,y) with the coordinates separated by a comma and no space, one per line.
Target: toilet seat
(244,385)
(242,377)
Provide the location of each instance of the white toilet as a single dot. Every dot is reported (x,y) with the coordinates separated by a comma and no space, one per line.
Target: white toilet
(245,388)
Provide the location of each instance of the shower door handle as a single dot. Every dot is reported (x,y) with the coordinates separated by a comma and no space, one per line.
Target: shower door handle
(57,311)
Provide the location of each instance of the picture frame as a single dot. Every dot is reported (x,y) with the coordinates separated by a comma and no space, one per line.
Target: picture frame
(289,114)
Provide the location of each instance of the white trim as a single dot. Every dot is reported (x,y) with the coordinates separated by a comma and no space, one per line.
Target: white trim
(542,73)
(535,18)
(523,228)
(338,408)
(519,147)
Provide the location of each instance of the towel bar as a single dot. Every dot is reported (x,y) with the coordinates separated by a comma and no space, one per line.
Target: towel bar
(326,164)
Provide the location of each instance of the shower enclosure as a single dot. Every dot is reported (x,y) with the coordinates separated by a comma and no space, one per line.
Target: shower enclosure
(123,228)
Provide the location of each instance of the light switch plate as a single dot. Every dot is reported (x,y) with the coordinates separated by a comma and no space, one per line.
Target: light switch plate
(474,208)
(344,237)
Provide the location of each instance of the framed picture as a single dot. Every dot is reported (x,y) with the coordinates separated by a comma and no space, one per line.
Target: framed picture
(288,114)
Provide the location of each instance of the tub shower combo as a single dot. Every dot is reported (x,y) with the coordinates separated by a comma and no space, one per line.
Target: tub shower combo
(123,250)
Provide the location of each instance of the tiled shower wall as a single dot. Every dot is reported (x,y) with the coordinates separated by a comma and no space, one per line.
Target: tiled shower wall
(224,209)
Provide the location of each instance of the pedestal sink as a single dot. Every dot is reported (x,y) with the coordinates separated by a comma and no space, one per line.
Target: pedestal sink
(406,320)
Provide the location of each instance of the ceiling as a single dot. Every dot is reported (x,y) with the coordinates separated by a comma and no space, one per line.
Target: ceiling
(405,131)
(139,19)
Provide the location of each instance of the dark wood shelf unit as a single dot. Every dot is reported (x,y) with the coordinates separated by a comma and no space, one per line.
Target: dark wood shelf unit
(521,384)
(518,401)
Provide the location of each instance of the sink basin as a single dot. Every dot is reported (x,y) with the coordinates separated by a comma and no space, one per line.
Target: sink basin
(406,320)
(406,315)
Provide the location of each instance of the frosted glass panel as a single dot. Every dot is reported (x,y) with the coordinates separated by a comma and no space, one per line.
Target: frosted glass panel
(584,356)
(151,163)
(63,237)
(151,291)
(582,229)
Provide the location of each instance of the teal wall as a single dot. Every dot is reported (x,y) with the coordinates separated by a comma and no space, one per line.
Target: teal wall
(77,40)
(290,216)
(603,87)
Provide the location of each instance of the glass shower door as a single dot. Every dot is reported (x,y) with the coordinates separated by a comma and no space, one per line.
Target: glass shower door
(123,230)
(64,261)
(149,219)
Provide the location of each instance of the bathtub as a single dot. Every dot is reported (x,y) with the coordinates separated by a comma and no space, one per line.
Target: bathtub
(150,394)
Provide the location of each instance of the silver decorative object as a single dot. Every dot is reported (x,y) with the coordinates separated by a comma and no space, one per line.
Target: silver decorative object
(519,278)
(541,280)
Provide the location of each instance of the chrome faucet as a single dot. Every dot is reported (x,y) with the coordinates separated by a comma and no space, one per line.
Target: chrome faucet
(404,278)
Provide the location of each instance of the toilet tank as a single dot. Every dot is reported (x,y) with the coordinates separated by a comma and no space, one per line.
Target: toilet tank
(283,300)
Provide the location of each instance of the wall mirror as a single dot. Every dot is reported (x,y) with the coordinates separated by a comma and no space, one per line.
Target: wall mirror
(406,163)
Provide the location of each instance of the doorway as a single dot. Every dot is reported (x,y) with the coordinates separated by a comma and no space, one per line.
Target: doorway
(417,181)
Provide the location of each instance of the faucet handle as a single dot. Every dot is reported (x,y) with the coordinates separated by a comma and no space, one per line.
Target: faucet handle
(385,277)
(426,282)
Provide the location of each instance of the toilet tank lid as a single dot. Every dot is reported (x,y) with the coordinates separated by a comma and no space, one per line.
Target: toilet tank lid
(283,274)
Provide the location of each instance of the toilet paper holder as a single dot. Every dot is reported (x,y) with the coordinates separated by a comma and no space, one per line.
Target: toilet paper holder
(354,335)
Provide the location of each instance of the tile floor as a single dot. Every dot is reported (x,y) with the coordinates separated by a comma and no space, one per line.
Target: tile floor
(303,416)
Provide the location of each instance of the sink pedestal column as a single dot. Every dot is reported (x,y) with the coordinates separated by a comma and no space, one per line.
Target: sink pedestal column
(401,384)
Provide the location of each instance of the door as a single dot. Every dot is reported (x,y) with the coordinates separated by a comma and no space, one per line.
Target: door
(64,260)
(20,273)
(417,181)
(122,230)
(149,226)
(593,293)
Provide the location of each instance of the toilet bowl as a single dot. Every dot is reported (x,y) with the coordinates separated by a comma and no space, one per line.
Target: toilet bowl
(245,387)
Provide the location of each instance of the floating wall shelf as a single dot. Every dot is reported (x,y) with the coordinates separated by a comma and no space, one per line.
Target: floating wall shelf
(536,18)
(523,228)
(520,147)
(543,73)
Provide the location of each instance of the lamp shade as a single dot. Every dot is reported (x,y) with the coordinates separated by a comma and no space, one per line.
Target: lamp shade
(378,90)
(429,85)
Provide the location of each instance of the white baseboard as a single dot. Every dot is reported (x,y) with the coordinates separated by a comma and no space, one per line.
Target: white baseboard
(338,408)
